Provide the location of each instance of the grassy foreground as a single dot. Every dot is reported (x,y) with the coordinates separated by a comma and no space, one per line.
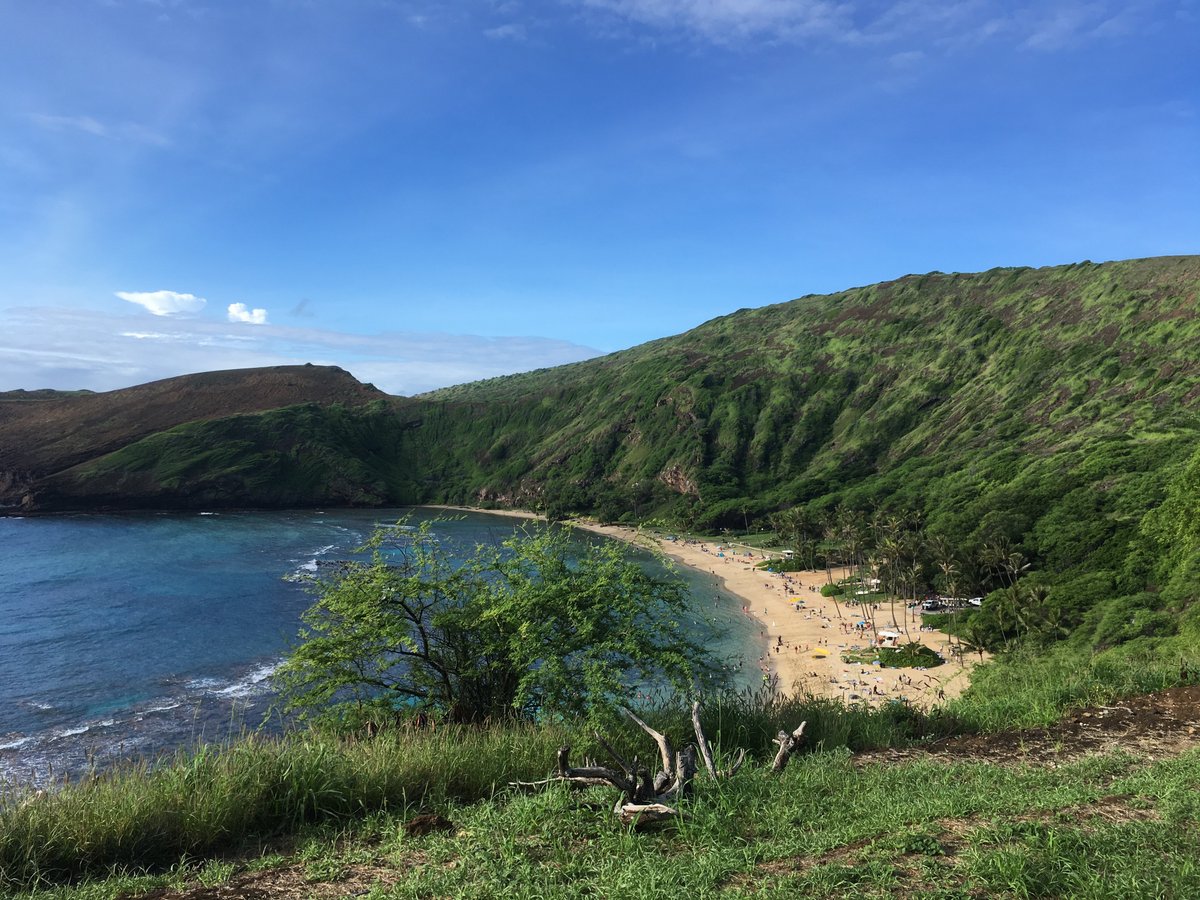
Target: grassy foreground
(1104,826)
(221,800)
(319,816)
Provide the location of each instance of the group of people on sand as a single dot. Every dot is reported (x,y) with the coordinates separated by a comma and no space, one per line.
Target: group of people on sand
(785,643)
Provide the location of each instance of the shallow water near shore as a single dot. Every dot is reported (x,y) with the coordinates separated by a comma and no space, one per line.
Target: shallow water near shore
(128,636)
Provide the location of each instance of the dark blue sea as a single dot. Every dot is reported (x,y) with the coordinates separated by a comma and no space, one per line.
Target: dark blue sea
(131,636)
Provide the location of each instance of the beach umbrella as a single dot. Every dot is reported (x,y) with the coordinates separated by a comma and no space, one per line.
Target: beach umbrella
(820,651)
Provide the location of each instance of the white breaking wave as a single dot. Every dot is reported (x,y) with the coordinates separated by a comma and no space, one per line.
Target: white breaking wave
(202,684)
(255,682)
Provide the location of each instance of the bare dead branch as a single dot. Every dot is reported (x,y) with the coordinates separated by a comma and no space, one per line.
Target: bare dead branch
(685,771)
(583,776)
(702,742)
(664,745)
(787,745)
(737,764)
(617,758)
(639,815)
(644,800)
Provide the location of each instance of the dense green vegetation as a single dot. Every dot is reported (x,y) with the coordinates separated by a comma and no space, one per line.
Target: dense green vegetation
(215,799)
(303,455)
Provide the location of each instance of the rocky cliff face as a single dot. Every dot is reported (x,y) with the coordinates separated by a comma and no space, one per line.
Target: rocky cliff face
(15,489)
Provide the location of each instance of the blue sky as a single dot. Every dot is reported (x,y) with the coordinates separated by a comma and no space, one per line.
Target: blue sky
(427,193)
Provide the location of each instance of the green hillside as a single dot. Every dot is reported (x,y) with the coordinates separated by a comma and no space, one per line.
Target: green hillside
(1043,412)
(296,456)
(988,384)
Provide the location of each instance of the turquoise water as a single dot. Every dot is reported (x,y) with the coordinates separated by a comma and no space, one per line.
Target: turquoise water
(130,635)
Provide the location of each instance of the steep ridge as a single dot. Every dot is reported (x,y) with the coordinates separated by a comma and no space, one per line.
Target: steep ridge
(44,432)
(790,403)
(977,400)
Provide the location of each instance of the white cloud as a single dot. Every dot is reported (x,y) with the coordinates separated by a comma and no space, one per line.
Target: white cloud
(722,20)
(71,348)
(1060,26)
(123,131)
(164,303)
(1066,24)
(1047,26)
(907,59)
(510,32)
(238,312)
(71,123)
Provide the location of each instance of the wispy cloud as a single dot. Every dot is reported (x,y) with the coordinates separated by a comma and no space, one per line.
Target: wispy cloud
(164,303)
(123,131)
(1068,24)
(1046,26)
(86,124)
(722,20)
(512,31)
(239,312)
(63,348)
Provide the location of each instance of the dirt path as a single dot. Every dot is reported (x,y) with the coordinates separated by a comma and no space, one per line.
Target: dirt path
(1151,726)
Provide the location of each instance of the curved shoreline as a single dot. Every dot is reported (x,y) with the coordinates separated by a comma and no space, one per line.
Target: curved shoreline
(798,625)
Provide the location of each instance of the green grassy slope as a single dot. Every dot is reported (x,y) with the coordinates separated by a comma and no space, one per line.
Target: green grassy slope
(995,381)
(1087,810)
(296,456)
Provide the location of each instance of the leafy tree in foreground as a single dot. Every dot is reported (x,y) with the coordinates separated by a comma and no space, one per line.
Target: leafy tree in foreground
(537,625)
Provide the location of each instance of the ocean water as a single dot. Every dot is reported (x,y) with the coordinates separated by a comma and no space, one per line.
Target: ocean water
(129,636)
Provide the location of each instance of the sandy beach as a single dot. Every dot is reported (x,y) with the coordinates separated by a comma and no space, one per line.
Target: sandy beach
(803,634)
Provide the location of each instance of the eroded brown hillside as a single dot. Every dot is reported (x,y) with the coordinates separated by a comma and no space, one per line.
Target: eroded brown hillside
(40,438)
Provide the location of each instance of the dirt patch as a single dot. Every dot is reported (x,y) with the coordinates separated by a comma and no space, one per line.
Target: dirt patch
(282,883)
(1152,725)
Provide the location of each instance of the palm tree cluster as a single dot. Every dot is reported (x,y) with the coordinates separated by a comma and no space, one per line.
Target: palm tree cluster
(888,555)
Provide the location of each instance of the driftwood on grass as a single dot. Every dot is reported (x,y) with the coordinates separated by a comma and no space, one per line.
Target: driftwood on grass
(706,749)
(787,746)
(644,800)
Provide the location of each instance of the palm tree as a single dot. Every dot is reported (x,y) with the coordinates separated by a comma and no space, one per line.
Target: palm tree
(950,581)
(1033,611)
(914,573)
(853,540)
(890,551)
(832,542)
(1015,565)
